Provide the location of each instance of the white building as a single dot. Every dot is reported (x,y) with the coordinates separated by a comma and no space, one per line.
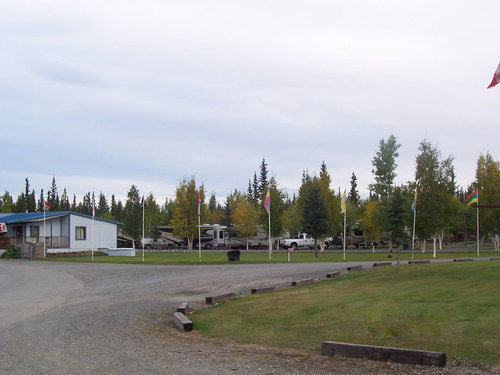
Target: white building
(64,231)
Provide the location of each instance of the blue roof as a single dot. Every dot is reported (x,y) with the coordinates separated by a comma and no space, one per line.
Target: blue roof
(32,216)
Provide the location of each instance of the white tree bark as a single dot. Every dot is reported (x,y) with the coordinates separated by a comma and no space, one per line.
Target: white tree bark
(434,238)
(441,238)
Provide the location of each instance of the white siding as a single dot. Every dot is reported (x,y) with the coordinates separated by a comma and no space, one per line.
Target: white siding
(105,234)
(57,226)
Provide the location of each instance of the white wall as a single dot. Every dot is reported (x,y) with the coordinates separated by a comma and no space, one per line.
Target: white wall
(58,226)
(105,234)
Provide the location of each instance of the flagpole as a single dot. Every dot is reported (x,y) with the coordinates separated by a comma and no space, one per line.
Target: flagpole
(199,235)
(93,226)
(44,248)
(477,215)
(345,214)
(413,235)
(269,216)
(143,205)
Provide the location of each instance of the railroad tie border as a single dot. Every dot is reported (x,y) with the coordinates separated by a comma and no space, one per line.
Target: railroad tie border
(212,300)
(266,289)
(182,322)
(383,353)
(302,282)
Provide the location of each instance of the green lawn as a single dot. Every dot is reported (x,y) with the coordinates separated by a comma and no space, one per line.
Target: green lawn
(448,307)
(182,258)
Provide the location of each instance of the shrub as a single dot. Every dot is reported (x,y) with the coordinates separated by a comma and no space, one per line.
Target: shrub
(11,252)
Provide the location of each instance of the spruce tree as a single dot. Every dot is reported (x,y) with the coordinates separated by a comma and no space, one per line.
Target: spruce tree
(314,213)
(114,207)
(73,205)
(64,203)
(31,202)
(119,210)
(354,197)
(384,167)
(255,188)
(102,205)
(262,180)
(53,196)
(133,213)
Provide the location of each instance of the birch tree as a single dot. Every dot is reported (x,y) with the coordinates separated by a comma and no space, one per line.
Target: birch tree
(185,213)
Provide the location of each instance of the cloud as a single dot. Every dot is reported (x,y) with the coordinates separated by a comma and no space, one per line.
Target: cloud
(64,74)
(156,91)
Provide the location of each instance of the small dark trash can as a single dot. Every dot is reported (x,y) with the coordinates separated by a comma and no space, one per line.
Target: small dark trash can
(233,255)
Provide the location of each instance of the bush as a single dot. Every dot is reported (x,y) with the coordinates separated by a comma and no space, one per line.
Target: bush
(11,253)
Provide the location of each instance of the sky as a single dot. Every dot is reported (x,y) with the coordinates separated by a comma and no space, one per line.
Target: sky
(105,94)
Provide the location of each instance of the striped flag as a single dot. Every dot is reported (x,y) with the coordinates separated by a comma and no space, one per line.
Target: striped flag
(46,206)
(471,198)
(267,202)
(496,78)
(198,204)
(93,205)
(414,205)
(343,208)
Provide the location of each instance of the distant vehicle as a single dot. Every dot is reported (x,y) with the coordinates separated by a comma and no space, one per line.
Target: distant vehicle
(124,241)
(303,240)
(165,241)
(157,244)
(215,236)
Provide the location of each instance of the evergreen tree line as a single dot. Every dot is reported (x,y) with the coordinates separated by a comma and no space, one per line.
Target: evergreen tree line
(385,214)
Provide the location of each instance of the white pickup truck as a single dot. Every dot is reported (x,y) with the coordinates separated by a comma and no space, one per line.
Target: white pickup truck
(302,240)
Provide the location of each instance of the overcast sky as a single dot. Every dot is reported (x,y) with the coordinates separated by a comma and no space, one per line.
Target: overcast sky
(105,94)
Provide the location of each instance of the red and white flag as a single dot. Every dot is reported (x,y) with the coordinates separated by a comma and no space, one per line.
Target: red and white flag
(46,206)
(496,78)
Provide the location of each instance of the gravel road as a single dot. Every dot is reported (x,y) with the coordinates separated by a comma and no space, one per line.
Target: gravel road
(74,318)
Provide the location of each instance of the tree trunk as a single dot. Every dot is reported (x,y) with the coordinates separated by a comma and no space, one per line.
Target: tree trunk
(322,245)
(315,248)
(434,238)
(247,243)
(441,238)
(399,249)
(190,243)
(373,247)
(422,246)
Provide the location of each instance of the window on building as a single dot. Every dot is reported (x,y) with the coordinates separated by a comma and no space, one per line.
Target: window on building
(80,233)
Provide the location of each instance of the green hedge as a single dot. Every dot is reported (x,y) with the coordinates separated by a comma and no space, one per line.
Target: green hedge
(11,253)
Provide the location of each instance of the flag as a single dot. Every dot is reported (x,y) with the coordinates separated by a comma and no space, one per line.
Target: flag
(414,205)
(46,206)
(496,78)
(93,205)
(142,202)
(471,198)
(342,204)
(199,204)
(267,202)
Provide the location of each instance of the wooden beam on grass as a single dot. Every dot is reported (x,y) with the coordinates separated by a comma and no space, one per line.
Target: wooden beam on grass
(216,299)
(382,353)
(182,322)
(266,289)
(302,282)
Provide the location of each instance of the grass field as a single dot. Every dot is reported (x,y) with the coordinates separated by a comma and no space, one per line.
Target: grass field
(185,258)
(448,307)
